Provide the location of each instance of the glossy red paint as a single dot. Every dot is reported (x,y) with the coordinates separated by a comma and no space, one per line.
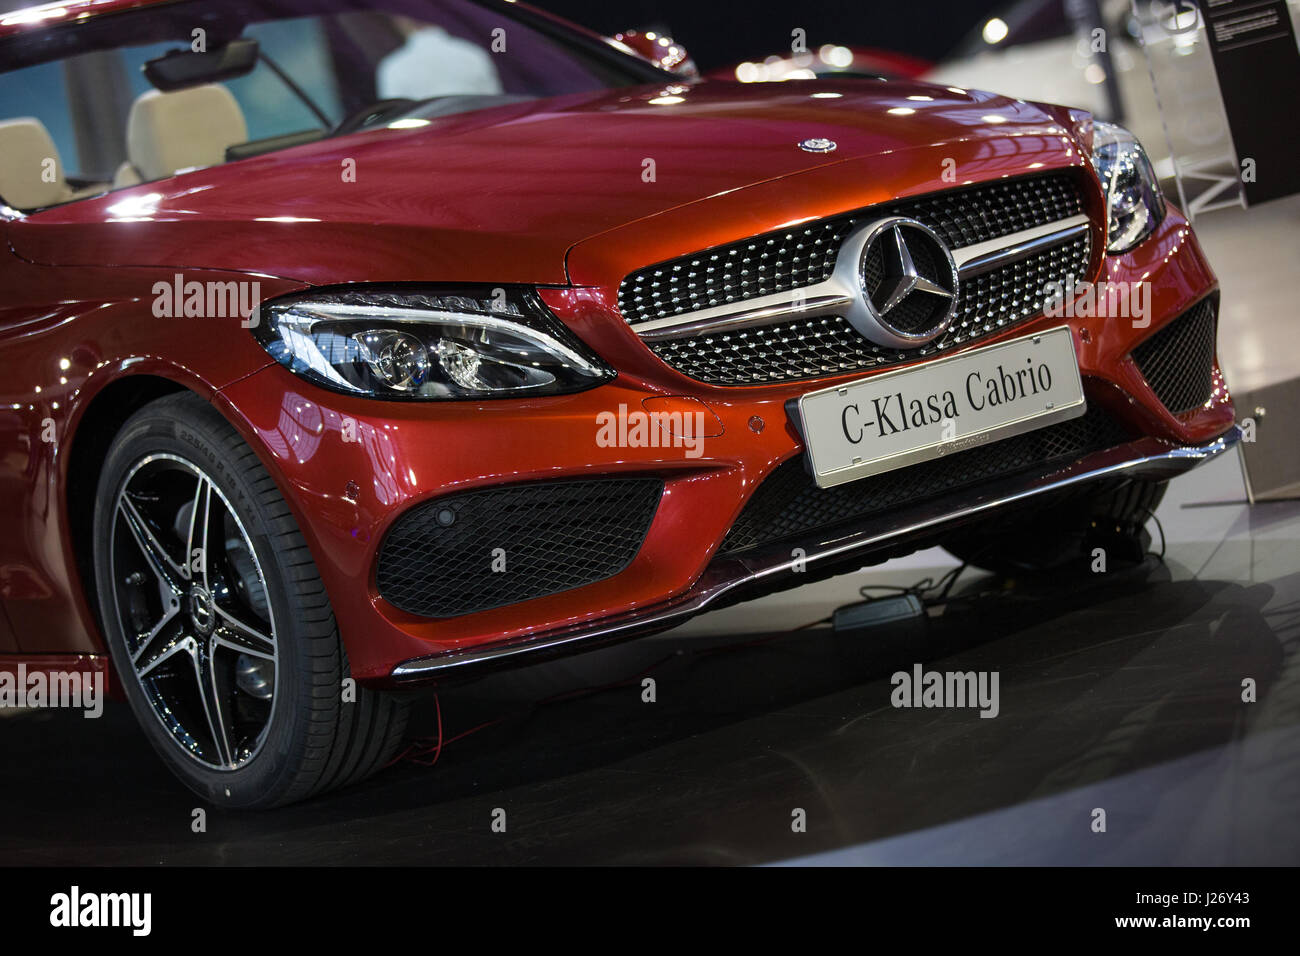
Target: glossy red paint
(47,15)
(69,334)
(663,51)
(549,193)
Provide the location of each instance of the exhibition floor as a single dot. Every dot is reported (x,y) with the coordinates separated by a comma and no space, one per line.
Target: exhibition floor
(1118,691)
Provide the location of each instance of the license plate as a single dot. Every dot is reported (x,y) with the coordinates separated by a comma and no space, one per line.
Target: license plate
(948,405)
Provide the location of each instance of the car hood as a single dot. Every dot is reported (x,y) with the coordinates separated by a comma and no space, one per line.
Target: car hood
(502,194)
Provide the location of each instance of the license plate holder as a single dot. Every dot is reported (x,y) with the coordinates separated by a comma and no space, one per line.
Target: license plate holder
(904,417)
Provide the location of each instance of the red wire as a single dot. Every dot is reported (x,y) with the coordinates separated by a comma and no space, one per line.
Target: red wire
(417,748)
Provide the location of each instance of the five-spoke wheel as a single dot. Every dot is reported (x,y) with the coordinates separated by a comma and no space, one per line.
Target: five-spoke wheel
(192,601)
(217,620)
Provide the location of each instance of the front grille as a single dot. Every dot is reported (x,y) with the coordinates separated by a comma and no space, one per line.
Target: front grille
(438,559)
(827,345)
(1178,361)
(789,503)
(812,347)
(799,257)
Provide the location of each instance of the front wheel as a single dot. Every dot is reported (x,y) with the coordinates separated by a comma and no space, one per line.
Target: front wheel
(217,621)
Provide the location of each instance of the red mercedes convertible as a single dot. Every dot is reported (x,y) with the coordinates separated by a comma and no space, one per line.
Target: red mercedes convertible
(352,346)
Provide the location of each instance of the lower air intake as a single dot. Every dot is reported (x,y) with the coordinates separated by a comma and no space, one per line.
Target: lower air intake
(789,503)
(438,558)
(1178,361)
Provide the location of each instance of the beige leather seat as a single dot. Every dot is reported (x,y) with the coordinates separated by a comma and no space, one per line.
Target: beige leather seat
(125,176)
(167,133)
(28,180)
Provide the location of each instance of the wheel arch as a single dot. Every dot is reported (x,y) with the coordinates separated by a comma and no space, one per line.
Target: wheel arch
(96,426)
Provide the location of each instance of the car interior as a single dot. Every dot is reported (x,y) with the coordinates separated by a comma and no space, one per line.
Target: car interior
(31,169)
(254,87)
(166,133)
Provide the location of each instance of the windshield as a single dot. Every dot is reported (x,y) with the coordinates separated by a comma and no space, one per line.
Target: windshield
(80,102)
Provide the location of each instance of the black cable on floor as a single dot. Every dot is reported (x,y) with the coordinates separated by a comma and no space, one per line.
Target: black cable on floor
(1164,544)
(921,588)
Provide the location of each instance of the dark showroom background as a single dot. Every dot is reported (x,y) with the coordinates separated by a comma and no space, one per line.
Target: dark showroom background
(719,34)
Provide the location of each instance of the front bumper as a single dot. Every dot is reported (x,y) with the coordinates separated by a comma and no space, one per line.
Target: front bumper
(767,569)
(351,468)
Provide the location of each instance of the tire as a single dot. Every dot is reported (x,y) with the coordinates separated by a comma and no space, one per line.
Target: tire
(243,615)
(1063,529)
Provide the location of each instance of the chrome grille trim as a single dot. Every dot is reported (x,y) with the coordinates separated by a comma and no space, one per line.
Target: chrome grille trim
(806,348)
(834,294)
(803,253)
(822,299)
(986,256)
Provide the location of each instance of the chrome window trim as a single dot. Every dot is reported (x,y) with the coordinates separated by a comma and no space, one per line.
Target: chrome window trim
(842,291)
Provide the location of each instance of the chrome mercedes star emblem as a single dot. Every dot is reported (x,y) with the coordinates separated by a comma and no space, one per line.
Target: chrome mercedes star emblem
(817,145)
(909,282)
(901,277)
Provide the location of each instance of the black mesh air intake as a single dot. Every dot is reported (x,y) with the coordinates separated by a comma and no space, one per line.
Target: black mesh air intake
(789,503)
(1178,361)
(437,560)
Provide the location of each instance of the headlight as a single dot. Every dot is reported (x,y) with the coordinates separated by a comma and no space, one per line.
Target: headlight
(468,344)
(1133,198)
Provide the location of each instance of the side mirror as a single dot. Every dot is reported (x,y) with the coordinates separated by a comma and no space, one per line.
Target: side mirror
(660,49)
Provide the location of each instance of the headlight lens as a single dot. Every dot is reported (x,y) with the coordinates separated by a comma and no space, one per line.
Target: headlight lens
(1133,198)
(475,343)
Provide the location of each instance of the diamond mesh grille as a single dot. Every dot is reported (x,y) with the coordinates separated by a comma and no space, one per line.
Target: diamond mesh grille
(827,345)
(437,560)
(813,347)
(803,256)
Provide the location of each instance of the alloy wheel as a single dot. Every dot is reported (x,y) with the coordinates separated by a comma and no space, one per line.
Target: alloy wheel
(192,602)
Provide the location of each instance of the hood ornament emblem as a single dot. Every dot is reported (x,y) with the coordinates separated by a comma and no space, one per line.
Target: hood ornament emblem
(818,145)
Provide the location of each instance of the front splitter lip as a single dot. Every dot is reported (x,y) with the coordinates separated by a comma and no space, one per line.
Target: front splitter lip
(1148,457)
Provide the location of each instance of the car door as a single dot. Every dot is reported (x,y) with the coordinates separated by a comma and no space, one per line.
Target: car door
(12,482)
(46,146)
